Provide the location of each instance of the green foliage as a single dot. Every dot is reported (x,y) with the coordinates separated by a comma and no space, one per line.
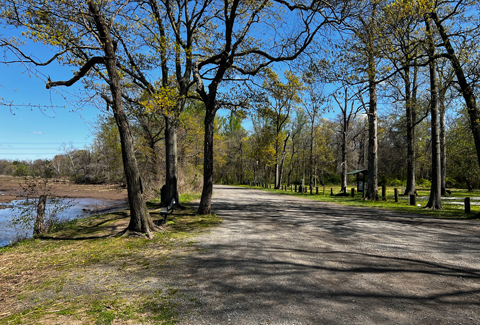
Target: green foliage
(424,182)
(397,183)
(21,170)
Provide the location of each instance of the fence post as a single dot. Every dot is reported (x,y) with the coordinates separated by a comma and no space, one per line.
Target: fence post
(396,195)
(413,199)
(353,192)
(467,205)
(384,192)
(323,189)
(295,188)
(331,191)
(317,190)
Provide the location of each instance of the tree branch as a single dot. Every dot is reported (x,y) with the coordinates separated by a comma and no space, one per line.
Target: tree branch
(81,73)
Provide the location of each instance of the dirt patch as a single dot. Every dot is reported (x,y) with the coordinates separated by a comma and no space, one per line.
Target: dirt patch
(11,186)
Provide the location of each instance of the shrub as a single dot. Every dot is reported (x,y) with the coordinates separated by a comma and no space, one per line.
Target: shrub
(424,182)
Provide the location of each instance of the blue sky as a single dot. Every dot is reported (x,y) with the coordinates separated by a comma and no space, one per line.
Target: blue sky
(29,133)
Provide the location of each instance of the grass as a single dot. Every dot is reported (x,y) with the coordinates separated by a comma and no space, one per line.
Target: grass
(449,210)
(81,274)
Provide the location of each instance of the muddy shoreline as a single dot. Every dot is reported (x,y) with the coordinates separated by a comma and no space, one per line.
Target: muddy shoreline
(10,188)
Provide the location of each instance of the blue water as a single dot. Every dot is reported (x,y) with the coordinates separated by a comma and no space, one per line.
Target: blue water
(83,207)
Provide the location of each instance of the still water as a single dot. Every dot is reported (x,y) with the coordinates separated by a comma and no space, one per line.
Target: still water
(83,207)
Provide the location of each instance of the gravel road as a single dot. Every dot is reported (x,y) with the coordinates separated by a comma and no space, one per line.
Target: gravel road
(285,260)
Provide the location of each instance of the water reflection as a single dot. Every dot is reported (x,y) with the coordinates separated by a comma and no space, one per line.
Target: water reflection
(83,207)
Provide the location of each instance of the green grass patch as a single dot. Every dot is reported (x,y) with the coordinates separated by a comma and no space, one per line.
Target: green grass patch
(83,272)
(449,210)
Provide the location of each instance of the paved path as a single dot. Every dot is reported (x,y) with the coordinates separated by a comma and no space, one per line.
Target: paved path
(285,260)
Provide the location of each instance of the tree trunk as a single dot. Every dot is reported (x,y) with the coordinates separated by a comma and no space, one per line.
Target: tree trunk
(282,162)
(291,162)
(443,145)
(171,172)
(276,182)
(372,185)
(435,200)
(410,114)
(466,88)
(40,220)
(206,200)
(312,143)
(140,221)
(344,153)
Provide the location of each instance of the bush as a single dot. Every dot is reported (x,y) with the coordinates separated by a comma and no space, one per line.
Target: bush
(397,183)
(332,179)
(424,182)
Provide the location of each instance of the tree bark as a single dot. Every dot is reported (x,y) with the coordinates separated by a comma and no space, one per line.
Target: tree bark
(206,199)
(467,90)
(312,144)
(282,162)
(171,171)
(140,221)
(40,219)
(372,184)
(443,145)
(435,200)
(344,152)
(411,116)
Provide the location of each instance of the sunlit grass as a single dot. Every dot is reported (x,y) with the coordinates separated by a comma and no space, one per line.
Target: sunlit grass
(449,210)
(39,277)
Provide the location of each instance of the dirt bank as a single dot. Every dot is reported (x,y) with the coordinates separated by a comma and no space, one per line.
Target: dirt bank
(11,186)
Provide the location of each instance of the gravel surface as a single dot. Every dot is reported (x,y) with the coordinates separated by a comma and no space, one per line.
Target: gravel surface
(286,260)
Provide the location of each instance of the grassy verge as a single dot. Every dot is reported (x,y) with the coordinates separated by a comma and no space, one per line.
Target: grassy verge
(83,274)
(449,210)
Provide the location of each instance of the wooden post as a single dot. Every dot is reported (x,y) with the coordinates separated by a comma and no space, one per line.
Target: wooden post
(317,190)
(311,189)
(413,199)
(396,195)
(323,189)
(467,205)
(291,188)
(295,188)
(353,192)
(331,191)
(384,192)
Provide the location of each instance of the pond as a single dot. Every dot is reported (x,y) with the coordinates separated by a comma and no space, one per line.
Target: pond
(83,207)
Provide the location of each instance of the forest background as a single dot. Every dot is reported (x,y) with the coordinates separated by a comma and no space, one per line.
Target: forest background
(311,91)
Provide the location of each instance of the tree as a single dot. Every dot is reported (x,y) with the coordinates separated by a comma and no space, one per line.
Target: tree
(85,33)
(234,47)
(280,104)
(402,48)
(434,201)
(314,103)
(346,118)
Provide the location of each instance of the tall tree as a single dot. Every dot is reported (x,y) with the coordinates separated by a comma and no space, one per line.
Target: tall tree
(84,32)
(281,99)
(238,48)
(435,199)
(314,102)
(348,114)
